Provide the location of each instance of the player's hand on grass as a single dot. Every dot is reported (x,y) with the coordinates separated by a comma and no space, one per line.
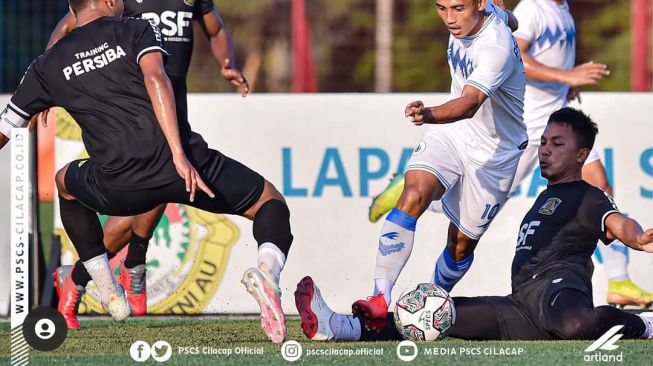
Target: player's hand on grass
(645,240)
(235,77)
(588,73)
(192,178)
(418,113)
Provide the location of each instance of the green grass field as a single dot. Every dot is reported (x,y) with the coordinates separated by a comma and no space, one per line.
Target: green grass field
(105,342)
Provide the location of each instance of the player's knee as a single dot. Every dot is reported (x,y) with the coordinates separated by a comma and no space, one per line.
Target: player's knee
(61,185)
(271,192)
(411,201)
(576,325)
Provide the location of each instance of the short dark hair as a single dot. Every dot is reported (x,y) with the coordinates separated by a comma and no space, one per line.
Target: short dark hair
(585,130)
(78,5)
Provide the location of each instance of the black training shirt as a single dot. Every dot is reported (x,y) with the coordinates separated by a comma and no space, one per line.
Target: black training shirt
(94,74)
(561,230)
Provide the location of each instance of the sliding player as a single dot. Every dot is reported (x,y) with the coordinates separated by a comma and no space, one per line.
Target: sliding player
(551,285)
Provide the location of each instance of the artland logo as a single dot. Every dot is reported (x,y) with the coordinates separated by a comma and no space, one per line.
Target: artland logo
(607,343)
(140,351)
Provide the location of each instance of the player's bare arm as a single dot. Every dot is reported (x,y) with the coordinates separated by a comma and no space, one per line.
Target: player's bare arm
(454,110)
(160,92)
(513,24)
(629,232)
(65,26)
(589,73)
(223,50)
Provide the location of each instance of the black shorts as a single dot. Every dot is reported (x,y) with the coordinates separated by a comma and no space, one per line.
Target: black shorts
(525,314)
(236,189)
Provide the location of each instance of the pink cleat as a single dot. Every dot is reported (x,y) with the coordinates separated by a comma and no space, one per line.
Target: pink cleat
(267,294)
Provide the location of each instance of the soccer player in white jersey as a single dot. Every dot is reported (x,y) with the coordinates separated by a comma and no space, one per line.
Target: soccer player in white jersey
(547,38)
(467,157)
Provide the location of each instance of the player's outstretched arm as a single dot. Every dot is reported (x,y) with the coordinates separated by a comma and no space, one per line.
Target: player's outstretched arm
(454,110)
(65,26)
(223,50)
(629,232)
(160,92)
(588,73)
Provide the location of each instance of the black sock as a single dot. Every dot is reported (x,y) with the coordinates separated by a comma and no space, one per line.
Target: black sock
(83,228)
(79,273)
(389,332)
(272,225)
(137,251)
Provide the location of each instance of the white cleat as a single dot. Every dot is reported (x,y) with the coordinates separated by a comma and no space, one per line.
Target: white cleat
(267,294)
(314,312)
(647,317)
(117,305)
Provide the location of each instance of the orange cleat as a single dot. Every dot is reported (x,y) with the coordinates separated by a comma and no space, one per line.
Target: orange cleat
(70,295)
(133,281)
(372,311)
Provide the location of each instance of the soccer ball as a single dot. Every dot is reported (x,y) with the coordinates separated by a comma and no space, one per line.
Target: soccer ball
(424,313)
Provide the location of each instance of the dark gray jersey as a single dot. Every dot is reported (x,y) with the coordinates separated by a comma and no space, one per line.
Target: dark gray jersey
(561,230)
(94,74)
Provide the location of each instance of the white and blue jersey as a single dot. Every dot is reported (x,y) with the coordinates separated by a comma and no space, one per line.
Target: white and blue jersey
(475,159)
(491,62)
(550,30)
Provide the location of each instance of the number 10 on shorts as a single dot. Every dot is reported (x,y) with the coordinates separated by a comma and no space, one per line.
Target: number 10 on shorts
(490,211)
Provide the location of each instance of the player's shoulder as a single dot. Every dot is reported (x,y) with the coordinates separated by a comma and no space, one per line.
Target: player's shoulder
(133,21)
(600,193)
(496,33)
(202,4)
(135,25)
(594,193)
(530,5)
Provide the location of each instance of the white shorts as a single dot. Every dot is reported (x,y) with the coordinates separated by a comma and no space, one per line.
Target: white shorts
(476,189)
(530,160)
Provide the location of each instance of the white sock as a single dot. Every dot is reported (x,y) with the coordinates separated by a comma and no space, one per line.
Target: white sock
(271,261)
(98,268)
(436,206)
(615,260)
(384,286)
(395,246)
(345,327)
(648,322)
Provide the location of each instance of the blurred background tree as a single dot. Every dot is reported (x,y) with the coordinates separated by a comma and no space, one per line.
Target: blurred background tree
(344,47)
(343,35)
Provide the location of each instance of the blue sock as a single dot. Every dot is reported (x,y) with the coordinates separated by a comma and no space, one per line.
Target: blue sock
(448,271)
(395,246)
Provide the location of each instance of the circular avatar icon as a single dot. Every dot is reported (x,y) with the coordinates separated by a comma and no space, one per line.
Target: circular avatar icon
(44,328)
